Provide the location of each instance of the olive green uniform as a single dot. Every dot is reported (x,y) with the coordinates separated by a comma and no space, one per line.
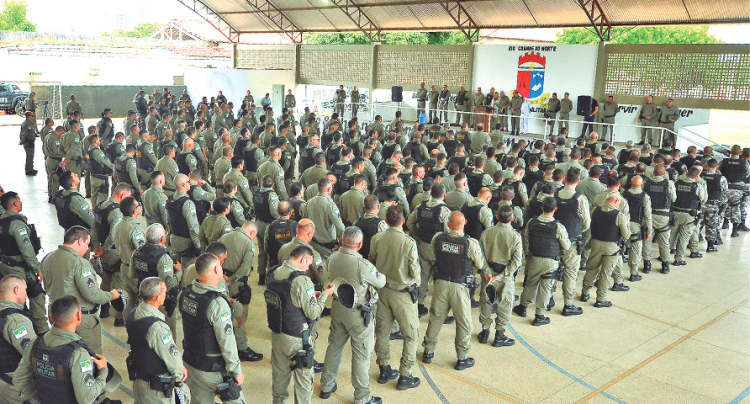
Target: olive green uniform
(244,195)
(29,104)
(355,102)
(637,243)
(285,347)
(203,384)
(566,106)
(318,273)
(425,251)
(72,106)
(538,280)
(648,117)
(238,265)
(312,175)
(67,273)
(99,183)
(457,198)
(273,168)
(182,244)
(661,226)
(421,101)
(27,139)
(80,207)
(155,207)
(128,235)
(220,167)
(571,257)
(19,332)
(168,166)
(684,224)
(454,296)
(352,205)
(213,227)
(88,384)
(348,323)
(477,100)
(515,113)
(328,225)
(54,156)
(273,205)
(605,257)
(502,247)
(148,149)
(609,110)
(132,170)
(395,254)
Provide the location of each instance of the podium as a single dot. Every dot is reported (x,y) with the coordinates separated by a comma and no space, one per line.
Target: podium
(484,118)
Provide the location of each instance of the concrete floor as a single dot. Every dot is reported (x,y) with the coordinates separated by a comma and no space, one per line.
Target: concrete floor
(677,338)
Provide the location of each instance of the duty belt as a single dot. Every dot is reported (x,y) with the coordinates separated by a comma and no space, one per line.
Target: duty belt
(497,268)
(55,158)
(328,245)
(660,212)
(92,311)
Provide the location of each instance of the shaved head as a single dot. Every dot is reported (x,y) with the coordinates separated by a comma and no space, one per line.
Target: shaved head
(456,221)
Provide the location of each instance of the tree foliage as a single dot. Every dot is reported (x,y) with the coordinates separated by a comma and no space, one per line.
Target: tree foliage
(13,17)
(641,35)
(390,38)
(144,30)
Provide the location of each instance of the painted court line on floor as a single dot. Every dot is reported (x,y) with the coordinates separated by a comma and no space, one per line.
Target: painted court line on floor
(432,384)
(659,354)
(651,318)
(558,368)
(741,396)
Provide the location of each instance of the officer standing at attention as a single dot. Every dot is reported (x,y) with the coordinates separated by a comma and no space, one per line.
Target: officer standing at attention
(503,249)
(421,96)
(27,139)
(609,226)
(736,170)
(690,196)
(72,149)
(128,236)
(30,104)
(305,232)
(668,115)
(425,222)
(154,357)
(100,169)
(515,113)
(323,212)
(610,109)
(62,348)
(72,208)
(53,160)
(265,204)
(433,95)
(352,202)
(477,99)
(641,225)
(290,101)
(457,258)
(551,113)
(716,187)
(545,241)
(280,232)
(244,195)
(395,254)
(18,333)
(183,222)
(155,201)
(210,354)
(73,106)
(273,168)
(354,323)
(647,117)
(354,98)
(662,193)
(293,308)
(445,96)
(339,99)
(126,170)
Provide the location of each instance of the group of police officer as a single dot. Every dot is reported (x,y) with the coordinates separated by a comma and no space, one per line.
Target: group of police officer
(477,210)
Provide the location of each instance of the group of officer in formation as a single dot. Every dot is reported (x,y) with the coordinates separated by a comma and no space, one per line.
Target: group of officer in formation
(217,192)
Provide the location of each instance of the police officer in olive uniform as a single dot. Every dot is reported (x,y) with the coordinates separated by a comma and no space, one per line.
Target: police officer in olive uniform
(20,244)
(72,208)
(609,109)
(30,104)
(503,250)
(100,168)
(187,160)
(395,255)
(153,260)
(323,212)
(17,333)
(265,204)
(551,113)
(662,193)
(183,222)
(60,366)
(318,272)
(128,236)
(72,148)
(668,115)
(566,106)
(27,138)
(339,98)
(155,201)
(641,224)
(609,227)
(154,360)
(126,170)
(54,157)
(424,223)
(293,308)
(355,323)
(445,96)
(210,354)
(457,257)
(244,195)
(515,113)
(717,190)
(145,156)
(647,117)
(280,232)
(545,242)
(690,196)
(421,96)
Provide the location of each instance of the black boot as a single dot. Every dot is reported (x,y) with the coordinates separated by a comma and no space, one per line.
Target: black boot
(572,310)
(396,335)
(551,303)
(744,227)
(422,310)
(104,311)
(696,255)
(248,355)
(620,287)
(483,336)
(502,340)
(735,233)
(725,225)
(665,267)
(261,279)
(407,382)
(646,266)
(540,320)
(386,374)
(520,310)
(711,247)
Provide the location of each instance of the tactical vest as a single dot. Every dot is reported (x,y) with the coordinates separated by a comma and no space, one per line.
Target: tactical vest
(452,262)
(201,207)
(102,126)
(65,217)
(460,160)
(239,147)
(474,180)
(333,154)
(535,207)
(112,153)
(432,146)
(429,221)
(100,220)
(146,364)
(251,163)
(416,154)
(388,150)
(647,159)
(530,178)
(143,161)
(623,156)
(604,225)
(624,170)
(735,170)
(543,241)
(98,168)
(411,190)
(441,172)
(306,158)
(296,210)
(474,226)
(463,137)
(182,165)
(262,206)
(516,201)
(199,339)
(450,147)
(567,215)
(713,186)
(177,220)
(661,201)
(280,232)
(559,156)
(283,316)
(51,371)
(687,199)
(146,258)
(496,198)
(369,228)
(121,170)
(635,205)
(11,357)
(386,192)
(340,170)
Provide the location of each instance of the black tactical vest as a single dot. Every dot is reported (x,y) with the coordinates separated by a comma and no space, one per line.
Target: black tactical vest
(65,217)
(388,150)
(333,154)
(604,225)
(251,163)
(97,168)
(474,180)
(181,160)
(11,356)
(100,220)
(687,199)
(369,228)
(459,160)
(735,170)
(660,198)
(713,186)
(262,206)
(51,371)
(450,147)
(411,190)
(635,205)
(177,221)
(543,241)
(386,192)
(296,210)
(121,170)
(432,146)
(474,226)
(146,259)
(145,362)
(201,207)
(280,232)
(463,137)
(567,215)
(112,151)
(239,147)
(452,262)
(306,158)
(199,338)
(429,222)
(624,170)
(416,154)
(283,316)
(516,201)
(143,162)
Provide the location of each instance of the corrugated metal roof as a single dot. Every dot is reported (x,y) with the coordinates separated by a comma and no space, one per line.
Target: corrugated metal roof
(429,15)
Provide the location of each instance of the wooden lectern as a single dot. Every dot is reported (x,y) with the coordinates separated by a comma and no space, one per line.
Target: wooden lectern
(484,118)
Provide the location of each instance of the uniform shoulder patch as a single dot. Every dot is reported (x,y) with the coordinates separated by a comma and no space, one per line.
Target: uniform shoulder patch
(224,316)
(317,261)
(20,332)
(374,271)
(86,366)
(222,288)
(167,268)
(86,272)
(85,206)
(310,290)
(166,338)
(22,231)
